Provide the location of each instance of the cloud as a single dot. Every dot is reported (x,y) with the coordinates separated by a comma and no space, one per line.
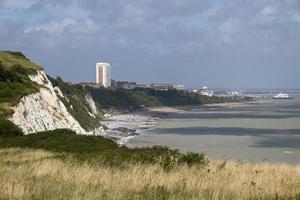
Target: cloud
(229,26)
(16,4)
(296,18)
(59,27)
(296,2)
(52,27)
(207,37)
(268,14)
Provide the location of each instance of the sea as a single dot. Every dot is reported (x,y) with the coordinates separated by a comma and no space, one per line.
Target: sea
(264,130)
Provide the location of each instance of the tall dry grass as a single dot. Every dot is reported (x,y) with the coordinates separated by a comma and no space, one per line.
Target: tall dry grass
(37,174)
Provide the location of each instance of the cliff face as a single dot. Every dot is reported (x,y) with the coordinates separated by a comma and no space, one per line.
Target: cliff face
(43,110)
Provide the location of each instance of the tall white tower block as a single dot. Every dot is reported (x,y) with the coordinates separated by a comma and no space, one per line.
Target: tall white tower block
(103,74)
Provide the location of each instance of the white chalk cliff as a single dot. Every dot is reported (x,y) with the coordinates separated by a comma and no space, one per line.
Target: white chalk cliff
(44,111)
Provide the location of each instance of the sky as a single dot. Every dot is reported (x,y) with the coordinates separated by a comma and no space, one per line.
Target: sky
(218,43)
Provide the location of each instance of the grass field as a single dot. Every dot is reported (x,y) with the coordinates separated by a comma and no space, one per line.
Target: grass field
(39,174)
(61,165)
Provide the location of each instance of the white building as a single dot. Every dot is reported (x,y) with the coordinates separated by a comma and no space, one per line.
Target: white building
(178,87)
(206,92)
(103,74)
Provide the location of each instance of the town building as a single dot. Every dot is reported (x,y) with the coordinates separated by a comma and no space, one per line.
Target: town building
(161,86)
(140,85)
(178,87)
(103,74)
(123,85)
(206,92)
(87,84)
(166,86)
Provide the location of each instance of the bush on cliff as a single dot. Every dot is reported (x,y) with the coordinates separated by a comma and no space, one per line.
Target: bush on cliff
(9,129)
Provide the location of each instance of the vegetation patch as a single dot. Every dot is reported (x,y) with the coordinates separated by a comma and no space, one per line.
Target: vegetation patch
(9,129)
(78,107)
(132,99)
(119,99)
(9,59)
(98,150)
(39,174)
(14,81)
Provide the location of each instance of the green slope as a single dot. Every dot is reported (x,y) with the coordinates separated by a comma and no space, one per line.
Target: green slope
(10,59)
(131,99)
(14,81)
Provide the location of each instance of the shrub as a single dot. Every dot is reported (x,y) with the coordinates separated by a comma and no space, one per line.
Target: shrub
(98,150)
(9,129)
(194,158)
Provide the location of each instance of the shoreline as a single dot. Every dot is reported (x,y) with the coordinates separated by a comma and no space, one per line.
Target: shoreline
(124,126)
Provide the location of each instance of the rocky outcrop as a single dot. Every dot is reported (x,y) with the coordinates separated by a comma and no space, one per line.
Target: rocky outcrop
(92,105)
(44,111)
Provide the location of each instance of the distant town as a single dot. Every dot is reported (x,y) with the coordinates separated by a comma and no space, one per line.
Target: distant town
(104,79)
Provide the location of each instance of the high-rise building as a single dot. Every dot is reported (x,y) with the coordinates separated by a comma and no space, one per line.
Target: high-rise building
(103,74)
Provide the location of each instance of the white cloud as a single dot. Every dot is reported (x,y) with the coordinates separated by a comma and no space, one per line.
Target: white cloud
(296,18)
(52,27)
(88,26)
(17,4)
(229,26)
(58,27)
(268,14)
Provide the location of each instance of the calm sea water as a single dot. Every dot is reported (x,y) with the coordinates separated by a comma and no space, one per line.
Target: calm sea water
(263,130)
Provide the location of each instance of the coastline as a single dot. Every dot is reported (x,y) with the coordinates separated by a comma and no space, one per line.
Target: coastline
(124,126)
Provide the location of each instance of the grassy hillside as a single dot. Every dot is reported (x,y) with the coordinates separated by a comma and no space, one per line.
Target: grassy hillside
(40,174)
(78,107)
(131,99)
(14,81)
(9,59)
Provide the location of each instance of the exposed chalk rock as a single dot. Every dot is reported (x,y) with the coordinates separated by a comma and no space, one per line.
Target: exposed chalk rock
(91,103)
(58,92)
(44,111)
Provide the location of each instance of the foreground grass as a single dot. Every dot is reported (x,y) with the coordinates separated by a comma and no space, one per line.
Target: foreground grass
(39,174)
